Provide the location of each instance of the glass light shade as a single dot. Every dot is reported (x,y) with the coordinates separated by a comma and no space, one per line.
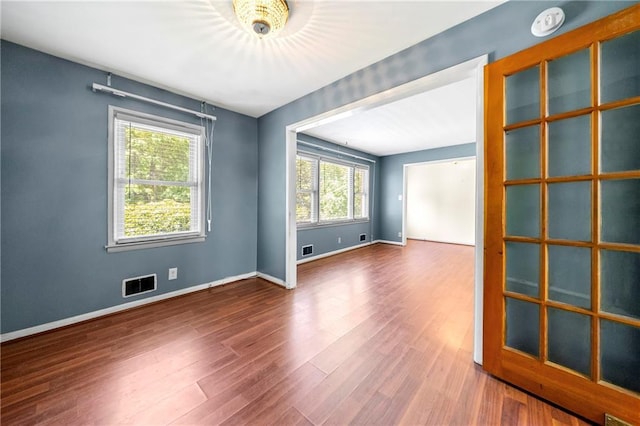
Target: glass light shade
(262,17)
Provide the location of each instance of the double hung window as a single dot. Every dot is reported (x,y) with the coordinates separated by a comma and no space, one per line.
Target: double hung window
(330,191)
(156,185)
(306,190)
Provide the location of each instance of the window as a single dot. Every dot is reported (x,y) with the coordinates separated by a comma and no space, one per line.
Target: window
(306,190)
(329,191)
(156,181)
(360,193)
(335,191)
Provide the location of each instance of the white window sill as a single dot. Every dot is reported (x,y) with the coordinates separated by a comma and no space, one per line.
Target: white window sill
(138,245)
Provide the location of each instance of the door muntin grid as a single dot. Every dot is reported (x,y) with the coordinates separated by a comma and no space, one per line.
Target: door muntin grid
(571,235)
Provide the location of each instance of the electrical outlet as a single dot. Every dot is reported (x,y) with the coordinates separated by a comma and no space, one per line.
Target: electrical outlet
(399,234)
(173,273)
(339,240)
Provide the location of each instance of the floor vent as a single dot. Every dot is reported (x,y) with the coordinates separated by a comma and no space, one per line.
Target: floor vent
(363,237)
(307,250)
(138,285)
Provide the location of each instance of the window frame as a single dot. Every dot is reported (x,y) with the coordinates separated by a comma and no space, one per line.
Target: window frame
(115,243)
(364,193)
(316,221)
(314,192)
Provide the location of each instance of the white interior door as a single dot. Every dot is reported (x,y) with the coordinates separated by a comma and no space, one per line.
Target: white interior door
(441,201)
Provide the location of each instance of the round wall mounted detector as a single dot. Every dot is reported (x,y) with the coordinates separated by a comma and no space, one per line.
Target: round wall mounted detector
(547,22)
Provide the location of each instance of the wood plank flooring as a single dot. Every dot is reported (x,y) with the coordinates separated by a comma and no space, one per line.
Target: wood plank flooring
(379,335)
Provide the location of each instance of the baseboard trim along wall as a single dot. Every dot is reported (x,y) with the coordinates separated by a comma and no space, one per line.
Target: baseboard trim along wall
(395,243)
(332,253)
(107,311)
(272,279)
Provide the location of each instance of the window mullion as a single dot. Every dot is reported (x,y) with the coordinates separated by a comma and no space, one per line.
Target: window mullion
(316,192)
(351,192)
(156,182)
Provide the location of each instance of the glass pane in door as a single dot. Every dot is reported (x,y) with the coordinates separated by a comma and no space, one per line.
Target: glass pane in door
(620,211)
(569,147)
(620,68)
(569,82)
(523,153)
(570,275)
(570,211)
(523,95)
(620,282)
(523,210)
(620,354)
(523,326)
(619,147)
(523,268)
(570,340)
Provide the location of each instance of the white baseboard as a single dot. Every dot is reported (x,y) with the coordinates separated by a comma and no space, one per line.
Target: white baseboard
(331,253)
(111,310)
(395,243)
(457,243)
(272,279)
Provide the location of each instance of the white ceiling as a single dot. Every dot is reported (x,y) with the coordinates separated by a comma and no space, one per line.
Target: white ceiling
(443,116)
(197,48)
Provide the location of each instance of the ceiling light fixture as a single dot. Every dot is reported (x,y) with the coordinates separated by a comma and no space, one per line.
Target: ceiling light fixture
(262,17)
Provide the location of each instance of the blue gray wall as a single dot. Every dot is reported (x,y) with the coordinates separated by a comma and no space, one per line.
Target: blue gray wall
(325,238)
(391,183)
(54,194)
(54,169)
(499,32)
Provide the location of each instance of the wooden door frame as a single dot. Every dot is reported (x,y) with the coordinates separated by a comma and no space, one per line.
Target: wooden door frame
(562,387)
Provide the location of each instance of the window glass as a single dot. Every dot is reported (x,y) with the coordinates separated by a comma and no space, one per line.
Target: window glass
(334,191)
(360,194)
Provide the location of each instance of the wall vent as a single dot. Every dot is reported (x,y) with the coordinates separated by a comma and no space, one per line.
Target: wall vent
(139,285)
(363,237)
(307,250)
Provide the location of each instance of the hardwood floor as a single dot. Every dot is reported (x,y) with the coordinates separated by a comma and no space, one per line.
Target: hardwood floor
(379,335)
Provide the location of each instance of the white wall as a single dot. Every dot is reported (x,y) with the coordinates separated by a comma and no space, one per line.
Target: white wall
(441,201)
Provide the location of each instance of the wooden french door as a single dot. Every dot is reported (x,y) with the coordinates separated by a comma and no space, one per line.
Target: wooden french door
(562,231)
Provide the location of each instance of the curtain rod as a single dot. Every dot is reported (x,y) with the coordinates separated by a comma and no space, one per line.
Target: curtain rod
(107,89)
(324,148)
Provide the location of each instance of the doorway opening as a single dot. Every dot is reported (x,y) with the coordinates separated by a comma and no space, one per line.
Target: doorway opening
(439,201)
(472,68)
